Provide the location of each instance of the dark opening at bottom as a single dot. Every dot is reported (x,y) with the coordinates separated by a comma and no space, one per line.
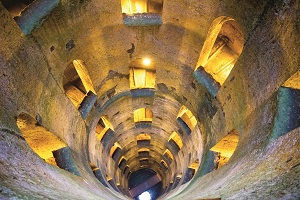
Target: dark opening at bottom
(138,182)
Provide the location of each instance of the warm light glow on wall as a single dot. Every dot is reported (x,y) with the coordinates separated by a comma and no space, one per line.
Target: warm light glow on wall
(226,146)
(100,130)
(142,78)
(143,136)
(177,139)
(222,47)
(84,75)
(187,116)
(134,6)
(41,141)
(114,148)
(142,115)
(75,95)
(293,81)
(126,6)
(141,6)
(221,62)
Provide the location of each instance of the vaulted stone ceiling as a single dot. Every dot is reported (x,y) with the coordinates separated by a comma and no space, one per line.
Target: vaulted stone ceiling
(86,44)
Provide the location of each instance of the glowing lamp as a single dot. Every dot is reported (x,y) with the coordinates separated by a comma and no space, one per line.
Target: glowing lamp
(146,61)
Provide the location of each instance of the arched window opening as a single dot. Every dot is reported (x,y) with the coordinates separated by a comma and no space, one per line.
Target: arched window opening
(144,161)
(170,185)
(191,171)
(122,163)
(78,87)
(115,151)
(126,170)
(108,178)
(45,144)
(142,74)
(118,184)
(168,155)
(175,140)
(136,12)
(142,78)
(29,14)
(194,165)
(143,139)
(177,180)
(186,119)
(143,117)
(222,48)
(288,107)
(144,152)
(141,6)
(164,164)
(103,127)
(225,148)
(104,131)
(111,182)
(98,174)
